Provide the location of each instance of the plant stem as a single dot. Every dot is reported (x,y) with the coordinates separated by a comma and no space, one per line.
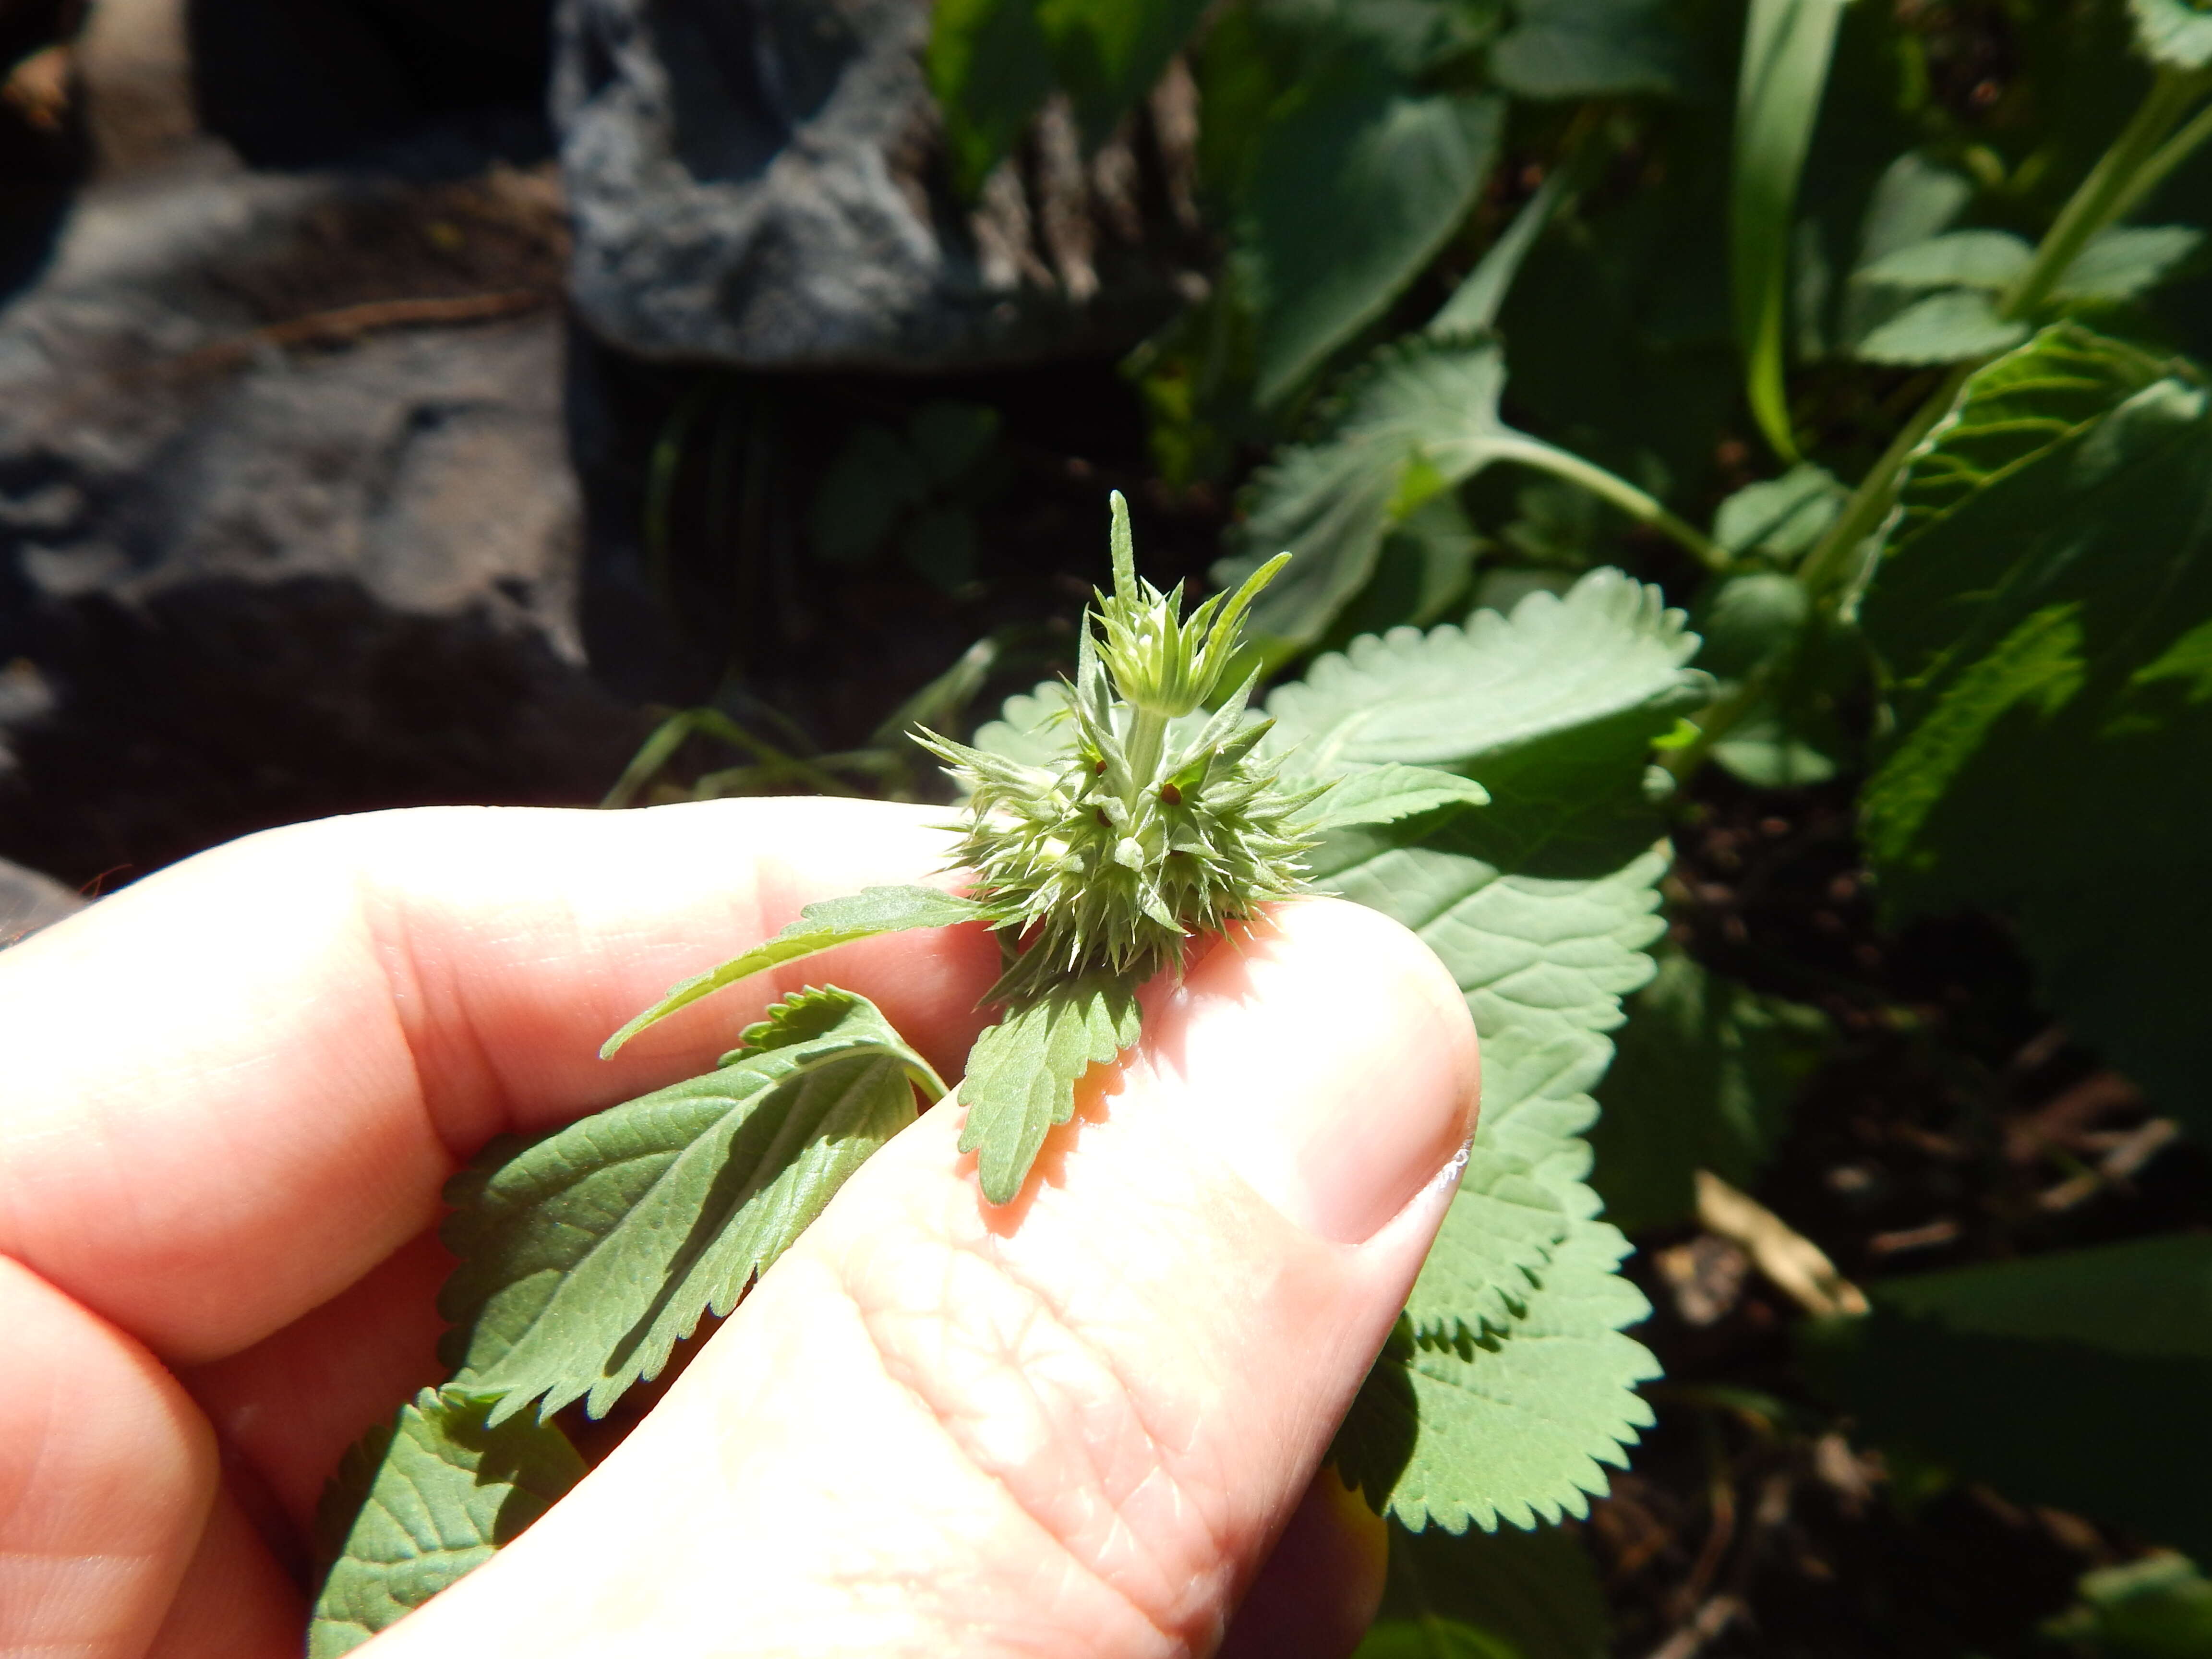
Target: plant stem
(2117,182)
(1147,739)
(1617,491)
(2140,156)
(1829,563)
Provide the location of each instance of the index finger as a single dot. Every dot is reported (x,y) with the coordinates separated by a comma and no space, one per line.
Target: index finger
(230,1091)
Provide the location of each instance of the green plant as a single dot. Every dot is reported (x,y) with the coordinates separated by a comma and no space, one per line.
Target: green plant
(1972,589)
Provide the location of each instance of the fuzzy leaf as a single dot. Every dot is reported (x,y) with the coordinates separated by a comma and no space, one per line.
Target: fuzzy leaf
(831,922)
(1541,905)
(1514,1428)
(1608,654)
(2045,612)
(1588,49)
(439,1491)
(588,1255)
(1352,192)
(1504,1595)
(1023,1072)
(1503,1229)
(1383,794)
(2073,1379)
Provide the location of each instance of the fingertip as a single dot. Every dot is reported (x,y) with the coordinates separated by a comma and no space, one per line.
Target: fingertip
(1331,1060)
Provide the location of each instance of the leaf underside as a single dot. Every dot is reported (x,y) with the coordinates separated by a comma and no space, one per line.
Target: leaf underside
(425,1501)
(831,922)
(1023,1072)
(588,1255)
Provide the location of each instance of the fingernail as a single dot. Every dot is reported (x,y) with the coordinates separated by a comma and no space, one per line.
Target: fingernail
(1330,1062)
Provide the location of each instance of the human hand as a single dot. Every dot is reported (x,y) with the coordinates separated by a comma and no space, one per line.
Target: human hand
(1080,1424)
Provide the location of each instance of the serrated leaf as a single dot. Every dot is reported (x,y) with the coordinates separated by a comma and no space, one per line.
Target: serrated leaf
(2045,610)
(1606,653)
(1703,1077)
(1352,190)
(820,926)
(1951,327)
(1989,260)
(1506,1595)
(1516,1428)
(2174,32)
(1588,49)
(2073,1379)
(1383,794)
(588,1255)
(1541,906)
(441,1491)
(1496,1240)
(1023,1072)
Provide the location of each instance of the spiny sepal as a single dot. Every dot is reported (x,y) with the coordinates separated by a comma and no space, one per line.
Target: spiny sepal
(1156,822)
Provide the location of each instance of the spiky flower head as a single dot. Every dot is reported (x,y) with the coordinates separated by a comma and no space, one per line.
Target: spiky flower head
(1157,821)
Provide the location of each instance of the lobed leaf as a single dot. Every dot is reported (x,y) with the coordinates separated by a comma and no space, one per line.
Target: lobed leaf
(821,925)
(1989,260)
(1023,1072)
(588,1255)
(423,1502)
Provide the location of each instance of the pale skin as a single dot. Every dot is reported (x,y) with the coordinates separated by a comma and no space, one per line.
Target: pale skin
(1092,1422)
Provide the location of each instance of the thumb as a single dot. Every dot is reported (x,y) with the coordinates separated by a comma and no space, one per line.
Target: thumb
(1074,1425)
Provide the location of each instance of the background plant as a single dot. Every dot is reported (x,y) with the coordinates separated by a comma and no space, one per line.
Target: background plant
(1866,334)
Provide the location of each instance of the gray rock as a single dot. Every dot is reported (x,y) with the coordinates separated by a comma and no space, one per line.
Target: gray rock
(764,184)
(286,525)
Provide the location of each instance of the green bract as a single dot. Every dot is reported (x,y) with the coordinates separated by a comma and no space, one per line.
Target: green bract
(1155,823)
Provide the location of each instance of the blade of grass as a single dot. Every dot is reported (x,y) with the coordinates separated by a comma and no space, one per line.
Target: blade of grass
(1787,48)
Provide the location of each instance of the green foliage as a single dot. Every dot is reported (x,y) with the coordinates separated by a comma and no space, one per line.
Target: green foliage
(1588,49)
(2043,606)
(1489,1595)
(1541,907)
(820,926)
(1352,190)
(1703,1078)
(1023,1072)
(2159,1607)
(423,1502)
(1787,48)
(588,1255)
(1384,794)
(2073,1379)
(921,487)
(2174,32)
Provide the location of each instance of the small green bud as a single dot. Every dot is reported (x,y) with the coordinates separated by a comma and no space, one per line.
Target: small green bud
(1157,821)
